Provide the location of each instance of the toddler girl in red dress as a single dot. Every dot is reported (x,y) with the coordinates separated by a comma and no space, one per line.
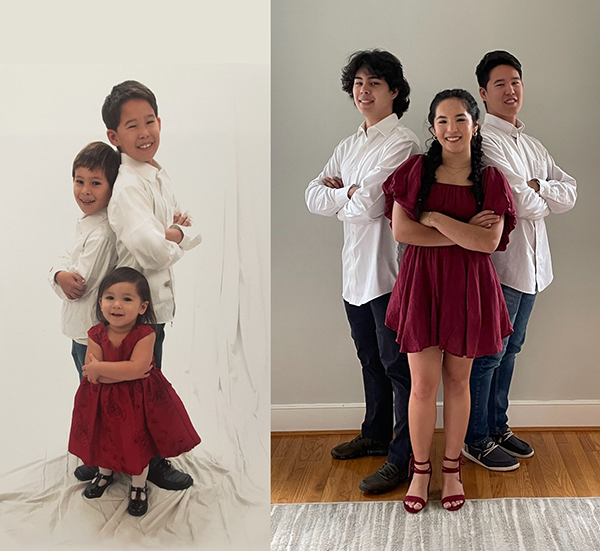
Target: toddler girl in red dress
(125,411)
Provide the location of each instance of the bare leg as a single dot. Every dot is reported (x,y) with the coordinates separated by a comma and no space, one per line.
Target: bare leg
(457,405)
(425,371)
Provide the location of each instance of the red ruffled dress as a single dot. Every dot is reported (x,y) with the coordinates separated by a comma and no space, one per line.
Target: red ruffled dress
(449,296)
(121,426)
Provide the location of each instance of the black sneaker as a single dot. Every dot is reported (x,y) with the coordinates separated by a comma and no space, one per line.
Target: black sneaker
(491,456)
(384,479)
(513,445)
(359,447)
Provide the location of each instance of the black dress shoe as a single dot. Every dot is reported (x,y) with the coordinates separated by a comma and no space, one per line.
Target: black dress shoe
(83,473)
(94,489)
(359,447)
(167,477)
(385,479)
(138,504)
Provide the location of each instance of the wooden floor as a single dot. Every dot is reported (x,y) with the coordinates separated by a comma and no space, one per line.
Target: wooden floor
(566,464)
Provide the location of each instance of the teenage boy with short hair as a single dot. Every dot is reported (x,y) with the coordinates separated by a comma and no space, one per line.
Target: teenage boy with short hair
(151,233)
(539,188)
(76,276)
(350,187)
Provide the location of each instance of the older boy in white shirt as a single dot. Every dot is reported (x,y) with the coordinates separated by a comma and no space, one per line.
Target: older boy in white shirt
(75,277)
(539,188)
(350,187)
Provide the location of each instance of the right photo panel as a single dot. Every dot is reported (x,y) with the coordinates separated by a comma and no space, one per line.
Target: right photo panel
(434,273)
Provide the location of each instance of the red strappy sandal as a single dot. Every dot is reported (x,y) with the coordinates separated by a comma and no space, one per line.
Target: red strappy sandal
(415,470)
(458,497)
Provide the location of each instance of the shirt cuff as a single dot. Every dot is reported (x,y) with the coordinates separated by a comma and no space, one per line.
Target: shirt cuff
(341,196)
(544,188)
(189,241)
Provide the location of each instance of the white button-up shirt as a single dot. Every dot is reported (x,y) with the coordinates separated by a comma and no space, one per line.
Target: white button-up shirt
(370,256)
(140,210)
(92,256)
(526,264)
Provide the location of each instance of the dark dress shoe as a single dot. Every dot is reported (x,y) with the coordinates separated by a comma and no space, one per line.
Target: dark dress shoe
(385,479)
(167,477)
(94,489)
(359,447)
(83,473)
(138,504)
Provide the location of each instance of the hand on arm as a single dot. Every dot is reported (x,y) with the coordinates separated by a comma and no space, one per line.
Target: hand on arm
(367,202)
(411,232)
(528,204)
(137,367)
(71,283)
(474,236)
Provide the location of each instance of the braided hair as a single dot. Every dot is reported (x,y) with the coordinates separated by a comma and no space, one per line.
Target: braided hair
(433,157)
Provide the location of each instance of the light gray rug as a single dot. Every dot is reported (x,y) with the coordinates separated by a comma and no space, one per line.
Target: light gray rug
(513,524)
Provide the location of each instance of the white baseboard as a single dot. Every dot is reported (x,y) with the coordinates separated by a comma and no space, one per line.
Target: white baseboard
(524,413)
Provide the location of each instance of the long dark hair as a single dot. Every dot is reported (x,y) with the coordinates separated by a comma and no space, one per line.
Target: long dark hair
(433,157)
(129,275)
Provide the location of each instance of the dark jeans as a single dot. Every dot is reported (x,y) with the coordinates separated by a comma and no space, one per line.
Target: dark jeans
(78,351)
(386,377)
(491,375)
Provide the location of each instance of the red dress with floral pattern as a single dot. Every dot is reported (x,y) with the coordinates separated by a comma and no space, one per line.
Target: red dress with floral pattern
(121,426)
(449,297)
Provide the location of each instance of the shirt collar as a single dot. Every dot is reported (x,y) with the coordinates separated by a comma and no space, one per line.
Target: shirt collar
(88,222)
(146,170)
(504,126)
(384,126)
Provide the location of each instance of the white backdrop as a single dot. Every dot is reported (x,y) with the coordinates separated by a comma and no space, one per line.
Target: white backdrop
(215,147)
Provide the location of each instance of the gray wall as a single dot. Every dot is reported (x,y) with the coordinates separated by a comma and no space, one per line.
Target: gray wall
(439,43)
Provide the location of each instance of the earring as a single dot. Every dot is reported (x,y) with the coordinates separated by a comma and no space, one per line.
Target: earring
(475,133)
(435,138)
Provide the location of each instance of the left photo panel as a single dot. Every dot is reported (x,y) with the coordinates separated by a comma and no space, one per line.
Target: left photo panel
(135,291)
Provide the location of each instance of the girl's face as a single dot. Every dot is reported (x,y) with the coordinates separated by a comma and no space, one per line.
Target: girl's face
(121,305)
(453,126)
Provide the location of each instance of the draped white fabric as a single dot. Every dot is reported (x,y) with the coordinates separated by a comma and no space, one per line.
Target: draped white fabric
(215,147)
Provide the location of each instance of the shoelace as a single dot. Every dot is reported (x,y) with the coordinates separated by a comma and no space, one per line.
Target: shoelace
(387,470)
(507,435)
(489,448)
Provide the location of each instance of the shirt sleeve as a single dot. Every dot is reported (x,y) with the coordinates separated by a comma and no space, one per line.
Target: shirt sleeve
(98,258)
(367,202)
(131,216)
(559,190)
(324,200)
(528,204)
(60,265)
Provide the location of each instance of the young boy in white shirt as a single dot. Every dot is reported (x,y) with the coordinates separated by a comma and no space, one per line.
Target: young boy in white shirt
(350,188)
(151,231)
(76,276)
(539,188)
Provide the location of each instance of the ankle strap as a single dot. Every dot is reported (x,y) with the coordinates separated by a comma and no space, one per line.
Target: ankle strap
(416,470)
(456,469)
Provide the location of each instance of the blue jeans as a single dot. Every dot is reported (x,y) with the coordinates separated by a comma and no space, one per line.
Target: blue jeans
(78,351)
(386,377)
(491,375)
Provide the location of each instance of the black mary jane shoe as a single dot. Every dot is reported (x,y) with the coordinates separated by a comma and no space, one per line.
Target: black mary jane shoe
(94,489)
(138,506)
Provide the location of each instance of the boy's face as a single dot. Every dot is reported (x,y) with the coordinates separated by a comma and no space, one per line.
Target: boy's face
(372,96)
(503,94)
(138,133)
(91,189)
